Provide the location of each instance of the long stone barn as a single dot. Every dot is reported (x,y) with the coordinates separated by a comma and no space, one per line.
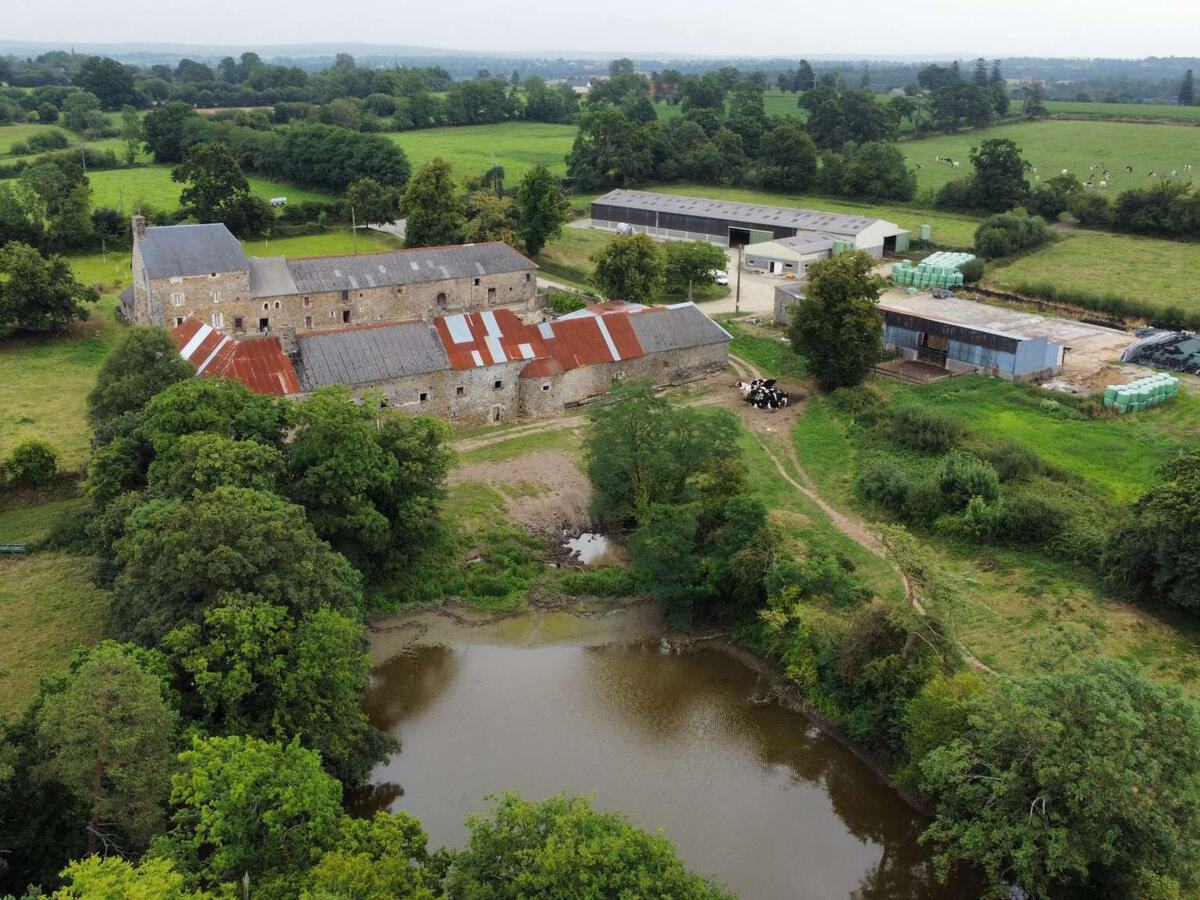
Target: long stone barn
(202,272)
(477,367)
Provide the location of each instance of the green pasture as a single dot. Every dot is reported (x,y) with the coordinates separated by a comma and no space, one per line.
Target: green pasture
(1016,599)
(473,149)
(1149,269)
(151,187)
(1166,111)
(1053,145)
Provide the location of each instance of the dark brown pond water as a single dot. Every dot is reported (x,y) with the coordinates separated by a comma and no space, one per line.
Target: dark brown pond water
(753,795)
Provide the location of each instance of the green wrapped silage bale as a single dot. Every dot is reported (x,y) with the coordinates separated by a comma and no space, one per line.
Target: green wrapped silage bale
(1124,401)
(1110,395)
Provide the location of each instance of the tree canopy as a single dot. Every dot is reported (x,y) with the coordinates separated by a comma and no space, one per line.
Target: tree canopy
(837,325)
(630,267)
(39,294)
(433,212)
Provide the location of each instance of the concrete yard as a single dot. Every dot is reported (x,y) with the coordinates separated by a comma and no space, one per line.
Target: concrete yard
(1092,349)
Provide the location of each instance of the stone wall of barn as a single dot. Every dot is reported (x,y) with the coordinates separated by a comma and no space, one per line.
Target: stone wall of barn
(242,314)
(468,397)
(497,393)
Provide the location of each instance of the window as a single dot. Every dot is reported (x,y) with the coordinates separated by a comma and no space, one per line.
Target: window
(308,321)
(216,296)
(177,298)
(460,390)
(277,304)
(497,384)
(218,320)
(178,321)
(239,324)
(545,387)
(308,301)
(422,396)
(527,276)
(212,274)
(266,306)
(491,295)
(346,315)
(476,282)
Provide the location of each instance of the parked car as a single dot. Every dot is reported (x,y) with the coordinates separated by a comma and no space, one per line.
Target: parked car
(720,276)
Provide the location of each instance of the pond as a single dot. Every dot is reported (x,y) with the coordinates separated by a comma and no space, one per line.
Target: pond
(590,547)
(749,792)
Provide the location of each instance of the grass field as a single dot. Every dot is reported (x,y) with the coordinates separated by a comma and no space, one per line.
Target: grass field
(48,607)
(1125,110)
(1054,145)
(151,186)
(1148,269)
(473,149)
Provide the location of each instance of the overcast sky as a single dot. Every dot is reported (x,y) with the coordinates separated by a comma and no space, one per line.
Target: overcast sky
(791,28)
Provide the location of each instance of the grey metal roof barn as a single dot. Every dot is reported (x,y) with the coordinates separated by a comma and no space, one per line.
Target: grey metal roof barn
(782,219)
(368,354)
(315,274)
(270,277)
(183,250)
(675,328)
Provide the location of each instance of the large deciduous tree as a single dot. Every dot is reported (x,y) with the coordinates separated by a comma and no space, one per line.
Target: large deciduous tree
(107,79)
(610,150)
(540,208)
(1081,783)
(214,182)
(549,848)
(999,181)
(246,806)
(692,263)
(1155,552)
(107,737)
(629,267)
(167,129)
(372,203)
(381,858)
(38,294)
(432,210)
(788,159)
(837,325)
(179,559)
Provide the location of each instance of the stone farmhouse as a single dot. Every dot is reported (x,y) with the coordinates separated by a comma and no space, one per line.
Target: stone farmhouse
(474,367)
(202,272)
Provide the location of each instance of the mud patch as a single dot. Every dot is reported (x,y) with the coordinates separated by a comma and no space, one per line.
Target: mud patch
(543,491)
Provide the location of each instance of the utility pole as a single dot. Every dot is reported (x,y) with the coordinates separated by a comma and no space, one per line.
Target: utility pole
(354,229)
(737,297)
(83,157)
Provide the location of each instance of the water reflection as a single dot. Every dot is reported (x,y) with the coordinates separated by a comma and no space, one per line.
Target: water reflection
(750,794)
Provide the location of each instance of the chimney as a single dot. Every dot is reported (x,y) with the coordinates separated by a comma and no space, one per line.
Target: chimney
(139,228)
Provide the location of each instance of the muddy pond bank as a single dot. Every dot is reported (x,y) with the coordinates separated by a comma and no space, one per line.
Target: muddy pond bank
(598,701)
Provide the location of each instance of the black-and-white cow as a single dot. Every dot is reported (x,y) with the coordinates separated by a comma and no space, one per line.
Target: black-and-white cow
(761,393)
(758,384)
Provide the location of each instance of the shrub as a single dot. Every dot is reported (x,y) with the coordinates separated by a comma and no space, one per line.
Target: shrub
(1032,518)
(565,303)
(861,401)
(963,476)
(607,581)
(957,194)
(1092,210)
(32,463)
(1009,233)
(886,482)
(49,140)
(972,270)
(1012,461)
(924,430)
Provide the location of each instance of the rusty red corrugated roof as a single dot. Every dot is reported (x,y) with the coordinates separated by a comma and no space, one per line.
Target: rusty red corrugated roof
(260,364)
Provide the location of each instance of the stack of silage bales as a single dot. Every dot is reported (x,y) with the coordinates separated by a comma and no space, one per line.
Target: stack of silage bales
(939,270)
(1141,394)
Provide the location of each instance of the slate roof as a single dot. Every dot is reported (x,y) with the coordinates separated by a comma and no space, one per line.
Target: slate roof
(314,274)
(270,277)
(744,213)
(368,353)
(260,364)
(676,327)
(183,250)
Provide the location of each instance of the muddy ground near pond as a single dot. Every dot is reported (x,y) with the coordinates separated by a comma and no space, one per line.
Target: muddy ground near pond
(544,491)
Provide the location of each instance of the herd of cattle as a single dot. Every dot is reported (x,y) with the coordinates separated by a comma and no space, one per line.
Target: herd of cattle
(761,393)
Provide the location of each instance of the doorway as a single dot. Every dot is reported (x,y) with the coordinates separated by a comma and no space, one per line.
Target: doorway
(933,349)
(739,237)
(264,324)
(495,413)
